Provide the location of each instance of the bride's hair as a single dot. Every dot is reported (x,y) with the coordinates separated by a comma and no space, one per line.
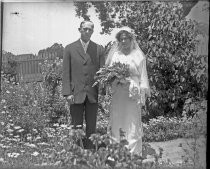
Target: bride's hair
(129,35)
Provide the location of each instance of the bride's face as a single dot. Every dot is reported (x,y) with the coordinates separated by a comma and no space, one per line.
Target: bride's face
(125,41)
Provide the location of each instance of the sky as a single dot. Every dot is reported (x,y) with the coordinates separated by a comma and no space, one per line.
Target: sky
(39,25)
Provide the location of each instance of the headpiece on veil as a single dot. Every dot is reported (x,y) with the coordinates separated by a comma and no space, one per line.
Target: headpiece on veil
(115,46)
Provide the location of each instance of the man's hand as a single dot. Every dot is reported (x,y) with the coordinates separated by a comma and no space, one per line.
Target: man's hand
(70,99)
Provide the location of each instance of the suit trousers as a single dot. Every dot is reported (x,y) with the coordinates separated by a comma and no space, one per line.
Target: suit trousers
(87,110)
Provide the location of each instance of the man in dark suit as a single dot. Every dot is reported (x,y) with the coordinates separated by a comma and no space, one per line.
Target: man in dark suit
(82,59)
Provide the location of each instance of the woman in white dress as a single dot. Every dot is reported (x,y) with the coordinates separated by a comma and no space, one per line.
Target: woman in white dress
(127,99)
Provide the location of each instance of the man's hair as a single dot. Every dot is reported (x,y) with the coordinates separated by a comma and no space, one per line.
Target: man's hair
(85,22)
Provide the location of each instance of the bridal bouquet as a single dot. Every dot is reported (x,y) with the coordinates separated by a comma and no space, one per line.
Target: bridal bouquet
(107,74)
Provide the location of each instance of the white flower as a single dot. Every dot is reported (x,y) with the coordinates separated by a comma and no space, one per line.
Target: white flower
(17,127)
(49,135)
(3,101)
(2,123)
(10,130)
(35,130)
(21,130)
(29,137)
(35,153)
(110,158)
(7,91)
(43,144)
(57,163)
(13,155)
(56,124)
(63,125)
(3,112)
(30,145)
(3,146)
(17,136)
(35,102)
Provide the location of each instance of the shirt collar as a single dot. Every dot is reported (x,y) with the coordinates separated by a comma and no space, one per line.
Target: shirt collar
(83,43)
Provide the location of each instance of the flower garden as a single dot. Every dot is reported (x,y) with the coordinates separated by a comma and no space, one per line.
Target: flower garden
(35,130)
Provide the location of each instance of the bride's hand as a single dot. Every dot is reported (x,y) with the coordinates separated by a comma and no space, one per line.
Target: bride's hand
(123,81)
(115,82)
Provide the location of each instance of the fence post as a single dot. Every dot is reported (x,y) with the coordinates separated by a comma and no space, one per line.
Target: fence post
(1,38)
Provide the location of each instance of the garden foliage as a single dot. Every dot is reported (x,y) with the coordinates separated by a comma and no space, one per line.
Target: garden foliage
(29,137)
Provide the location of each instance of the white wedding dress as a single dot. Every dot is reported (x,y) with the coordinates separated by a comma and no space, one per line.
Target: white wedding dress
(125,110)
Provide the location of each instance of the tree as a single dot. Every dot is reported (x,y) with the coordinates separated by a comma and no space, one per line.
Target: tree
(169,41)
(56,49)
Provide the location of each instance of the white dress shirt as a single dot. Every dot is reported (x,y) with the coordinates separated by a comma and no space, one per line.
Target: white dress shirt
(84,45)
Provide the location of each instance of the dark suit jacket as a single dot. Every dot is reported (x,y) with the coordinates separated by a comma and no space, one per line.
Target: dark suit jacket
(79,69)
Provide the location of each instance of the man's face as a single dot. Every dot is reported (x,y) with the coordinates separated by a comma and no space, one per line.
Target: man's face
(86,31)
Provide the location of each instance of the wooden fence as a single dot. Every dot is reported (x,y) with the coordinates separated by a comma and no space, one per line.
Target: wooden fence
(28,67)
(29,70)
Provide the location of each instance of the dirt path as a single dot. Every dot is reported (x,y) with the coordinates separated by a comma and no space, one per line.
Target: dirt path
(173,151)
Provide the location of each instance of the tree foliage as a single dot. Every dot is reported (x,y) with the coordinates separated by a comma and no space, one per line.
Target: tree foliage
(10,70)
(176,71)
(54,49)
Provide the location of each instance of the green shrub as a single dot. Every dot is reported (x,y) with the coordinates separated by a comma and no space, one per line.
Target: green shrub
(20,113)
(10,70)
(31,106)
(55,103)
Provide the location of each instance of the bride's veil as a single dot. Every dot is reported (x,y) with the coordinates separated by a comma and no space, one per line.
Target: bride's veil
(115,46)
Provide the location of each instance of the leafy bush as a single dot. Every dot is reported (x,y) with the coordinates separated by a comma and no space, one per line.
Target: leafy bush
(20,113)
(164,129)
(10,70)
(55,103)
(32,106)
(197,131)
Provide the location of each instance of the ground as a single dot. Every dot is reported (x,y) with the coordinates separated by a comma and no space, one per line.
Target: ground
(173,150)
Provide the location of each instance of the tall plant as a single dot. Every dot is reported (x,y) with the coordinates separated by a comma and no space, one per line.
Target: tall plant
(55,102)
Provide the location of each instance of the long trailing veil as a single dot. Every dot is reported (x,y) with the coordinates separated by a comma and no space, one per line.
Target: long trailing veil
(134,46)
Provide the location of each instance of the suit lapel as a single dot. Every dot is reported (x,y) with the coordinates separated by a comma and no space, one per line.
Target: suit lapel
(81,51)
(92,48)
